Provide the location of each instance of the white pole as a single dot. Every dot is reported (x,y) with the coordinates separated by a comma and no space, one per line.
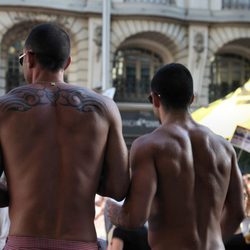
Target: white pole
(106,16)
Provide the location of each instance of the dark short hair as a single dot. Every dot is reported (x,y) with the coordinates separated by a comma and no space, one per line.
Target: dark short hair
(50,44)
(174,83)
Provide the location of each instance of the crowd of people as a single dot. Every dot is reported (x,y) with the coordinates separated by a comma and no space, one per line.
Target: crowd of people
(62,144)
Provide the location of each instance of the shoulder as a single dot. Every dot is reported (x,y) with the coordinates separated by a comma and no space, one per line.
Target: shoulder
(85,100)
(91,99)
(13,99)
(218,139)
(88,93)
(145,145)
(206,136)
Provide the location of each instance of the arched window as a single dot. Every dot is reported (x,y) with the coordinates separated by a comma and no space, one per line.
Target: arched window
(14,74)
(228,72)
(132,71)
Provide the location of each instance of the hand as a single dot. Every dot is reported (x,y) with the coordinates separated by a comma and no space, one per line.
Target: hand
(113,212)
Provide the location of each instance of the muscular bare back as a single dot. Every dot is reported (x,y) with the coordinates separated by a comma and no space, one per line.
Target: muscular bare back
(186,181)
(61,145)
(193,168)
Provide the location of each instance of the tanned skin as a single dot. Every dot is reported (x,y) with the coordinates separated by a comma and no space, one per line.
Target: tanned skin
(60,145)
(185,182)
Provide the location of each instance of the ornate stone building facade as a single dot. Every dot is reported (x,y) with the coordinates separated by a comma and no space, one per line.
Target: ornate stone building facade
(211,37)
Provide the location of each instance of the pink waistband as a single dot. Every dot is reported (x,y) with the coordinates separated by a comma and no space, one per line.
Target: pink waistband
(20,242)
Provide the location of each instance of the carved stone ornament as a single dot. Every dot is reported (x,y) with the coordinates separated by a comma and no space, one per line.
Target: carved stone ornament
(199,42)
(98,36)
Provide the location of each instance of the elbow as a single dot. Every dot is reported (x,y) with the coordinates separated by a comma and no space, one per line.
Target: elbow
(119,196)
(238,218)
(120,193)
(241,216)
(113,191)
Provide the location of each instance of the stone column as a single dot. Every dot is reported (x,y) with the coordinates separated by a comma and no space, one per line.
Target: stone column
(106,16)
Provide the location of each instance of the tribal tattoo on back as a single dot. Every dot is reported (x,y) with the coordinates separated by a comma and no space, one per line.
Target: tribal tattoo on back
(25,98)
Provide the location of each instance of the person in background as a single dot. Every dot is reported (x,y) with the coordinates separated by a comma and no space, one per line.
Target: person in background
(185,179)
(241,239)
(4,220)
(99,220)
(60,146)
(123,239)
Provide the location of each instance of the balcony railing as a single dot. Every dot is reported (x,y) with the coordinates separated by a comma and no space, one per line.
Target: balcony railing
(236,4)
(167,2)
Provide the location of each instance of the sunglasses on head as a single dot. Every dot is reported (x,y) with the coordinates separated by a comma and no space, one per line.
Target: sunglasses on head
(150,97)
(23,55)
(21,58)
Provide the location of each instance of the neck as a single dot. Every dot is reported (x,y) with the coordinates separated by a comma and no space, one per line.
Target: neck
(47,77)
(47,82)
(181,116)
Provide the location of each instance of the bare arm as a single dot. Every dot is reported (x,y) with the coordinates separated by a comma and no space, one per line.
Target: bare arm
(115,175)
(136,208)
(233,211)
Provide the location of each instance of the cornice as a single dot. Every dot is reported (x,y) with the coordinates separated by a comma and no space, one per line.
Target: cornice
(136,10)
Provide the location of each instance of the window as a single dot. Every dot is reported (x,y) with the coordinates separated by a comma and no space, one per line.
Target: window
(132,72)
(170,2)
(14,74)
(228,72)
(236,4)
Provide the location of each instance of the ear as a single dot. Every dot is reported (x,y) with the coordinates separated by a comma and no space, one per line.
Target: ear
(191,99)
(31,62)
(156,101)
(67,63)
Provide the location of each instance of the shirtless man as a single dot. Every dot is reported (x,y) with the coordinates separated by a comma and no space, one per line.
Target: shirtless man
(60,144)
(185,179)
